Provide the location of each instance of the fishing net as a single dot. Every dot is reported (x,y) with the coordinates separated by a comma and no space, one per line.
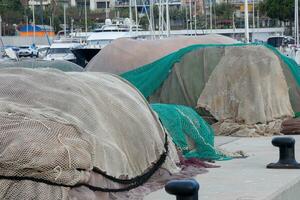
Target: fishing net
(61,131)
(239,84)
(126,54)
(190,133)
(55,64)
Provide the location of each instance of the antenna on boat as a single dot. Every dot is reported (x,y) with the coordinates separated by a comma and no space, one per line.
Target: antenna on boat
(246,22)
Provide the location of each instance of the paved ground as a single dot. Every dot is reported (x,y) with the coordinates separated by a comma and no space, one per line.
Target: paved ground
(246,179)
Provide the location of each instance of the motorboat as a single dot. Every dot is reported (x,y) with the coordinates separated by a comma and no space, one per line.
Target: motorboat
(286,45)
(61,50)
(103,36)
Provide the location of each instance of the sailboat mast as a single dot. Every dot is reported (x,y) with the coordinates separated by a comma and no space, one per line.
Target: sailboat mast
(195,16)
(136,17)
(159,18)
(1,26)
(191,25)
(253,13)
(85,18)
(168,18)
(246,22)
(33,21)
(210,14)
(130,15)
(65,21)
(297,23)
(152,19)
(106,10)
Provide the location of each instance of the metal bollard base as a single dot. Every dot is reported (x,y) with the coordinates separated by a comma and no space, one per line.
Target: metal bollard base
(283,166)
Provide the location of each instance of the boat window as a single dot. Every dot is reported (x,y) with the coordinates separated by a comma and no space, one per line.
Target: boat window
(275,41)
(287,41)
(59,50)
(99,42)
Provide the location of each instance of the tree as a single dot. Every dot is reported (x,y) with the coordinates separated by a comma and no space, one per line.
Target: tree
(278,9)
(224,10)
(11,12)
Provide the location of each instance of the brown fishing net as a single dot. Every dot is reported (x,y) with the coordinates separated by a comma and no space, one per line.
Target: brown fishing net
(57,129)
(126,54)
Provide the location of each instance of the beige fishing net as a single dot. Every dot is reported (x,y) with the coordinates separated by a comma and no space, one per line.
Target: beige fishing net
(59,128)
(247,88)
(126,54)
(247,92)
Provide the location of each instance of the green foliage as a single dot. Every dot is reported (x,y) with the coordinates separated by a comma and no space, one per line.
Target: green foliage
(11,12)
(278,9)
(176,14)
(224,10)
(10,5)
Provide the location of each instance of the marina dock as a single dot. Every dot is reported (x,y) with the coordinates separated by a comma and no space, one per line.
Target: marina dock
(246,179)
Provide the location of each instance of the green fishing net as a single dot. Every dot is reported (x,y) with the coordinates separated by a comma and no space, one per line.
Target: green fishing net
(150,77)
(179,78)
(190,133)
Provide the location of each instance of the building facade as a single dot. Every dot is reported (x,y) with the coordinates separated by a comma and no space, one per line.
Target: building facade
(94,4)
(199,5)
(38,2)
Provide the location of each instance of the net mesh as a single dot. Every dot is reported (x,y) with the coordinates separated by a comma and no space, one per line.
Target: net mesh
(117,57)
(148,78)
(190,133)
(62,65)
(59,127)
(192,72)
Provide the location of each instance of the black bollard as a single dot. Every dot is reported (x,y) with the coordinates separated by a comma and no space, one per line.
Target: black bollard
(286,154)
(183,189)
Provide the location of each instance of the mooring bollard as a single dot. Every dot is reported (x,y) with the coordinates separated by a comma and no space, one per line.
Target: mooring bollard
(286,154)
(183,189)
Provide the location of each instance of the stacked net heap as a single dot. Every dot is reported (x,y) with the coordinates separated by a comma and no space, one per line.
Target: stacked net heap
(64,131)
(117,58)
(249,89)
(126,54)
(62,65)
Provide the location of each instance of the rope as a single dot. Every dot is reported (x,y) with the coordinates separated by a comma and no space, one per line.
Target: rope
(132,183)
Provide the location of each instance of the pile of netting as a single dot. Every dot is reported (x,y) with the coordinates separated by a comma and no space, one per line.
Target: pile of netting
(67,135)
(126,54)
(117,58)
(191,134)
(53,64)
(248,89)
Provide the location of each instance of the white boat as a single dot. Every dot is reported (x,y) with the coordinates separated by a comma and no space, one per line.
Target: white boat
(61,50)
(103,36)
(286,45)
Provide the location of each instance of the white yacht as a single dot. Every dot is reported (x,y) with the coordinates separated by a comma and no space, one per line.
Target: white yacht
(103,36)
(61,50)
(286,45)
